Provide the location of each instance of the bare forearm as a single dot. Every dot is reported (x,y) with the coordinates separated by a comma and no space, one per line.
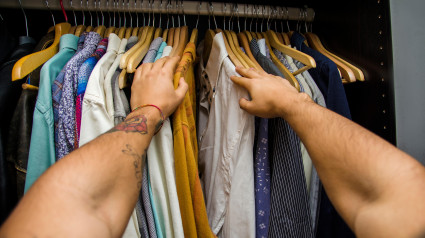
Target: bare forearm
(357,167)
(100,182)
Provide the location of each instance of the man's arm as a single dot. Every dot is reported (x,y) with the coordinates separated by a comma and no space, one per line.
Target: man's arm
(378,189)
(92,191)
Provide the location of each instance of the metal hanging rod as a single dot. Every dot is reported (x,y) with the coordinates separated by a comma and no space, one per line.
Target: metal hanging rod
(174,7)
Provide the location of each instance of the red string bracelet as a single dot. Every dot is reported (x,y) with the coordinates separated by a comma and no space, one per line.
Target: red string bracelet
(160,111)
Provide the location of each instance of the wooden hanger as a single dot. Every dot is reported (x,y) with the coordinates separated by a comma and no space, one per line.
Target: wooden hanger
(280,38)
(100,30)
(245,44)
(183,39)
(135,31)
(109,30)
(315,43)
(286,40)
(194,36)
(79,30)
(288,75)
(126,56)
(358,74)
(121,32)
(232,56)
(158,33)
(307,60)
(122,79)
(233,48)
(245,57)
(140,52)
(164,35)
(72,30)
(89,28)
(128,32)
(248,35)
(176,40)
(29,63)
(170,39)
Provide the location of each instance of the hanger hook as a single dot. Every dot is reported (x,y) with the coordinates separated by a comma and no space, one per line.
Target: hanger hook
(224,16)
(103,18)
(25,16)
(184,15)
(199,13)
(212,13)
(73,12)
(237,15)
(53,17)
(82,12)
(63,10)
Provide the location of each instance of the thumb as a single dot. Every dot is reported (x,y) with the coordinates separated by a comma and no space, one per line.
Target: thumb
(181,89)
(246,104)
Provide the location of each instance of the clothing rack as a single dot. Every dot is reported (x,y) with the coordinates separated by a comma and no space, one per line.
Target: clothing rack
(171,7)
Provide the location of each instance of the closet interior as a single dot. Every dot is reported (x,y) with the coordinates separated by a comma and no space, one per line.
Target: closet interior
(354,33)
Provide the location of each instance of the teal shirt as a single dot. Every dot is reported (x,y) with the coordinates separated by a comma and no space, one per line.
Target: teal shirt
(42,147)
(160,50)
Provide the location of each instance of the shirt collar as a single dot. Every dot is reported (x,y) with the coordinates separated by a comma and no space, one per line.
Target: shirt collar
(113,43)
(217,55)
(68,41)
(297,40)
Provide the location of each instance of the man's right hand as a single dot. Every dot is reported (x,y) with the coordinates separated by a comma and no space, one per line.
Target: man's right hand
(272,96)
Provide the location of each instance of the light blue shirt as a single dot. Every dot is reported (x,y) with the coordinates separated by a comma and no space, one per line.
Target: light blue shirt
(160,50)
(42,147)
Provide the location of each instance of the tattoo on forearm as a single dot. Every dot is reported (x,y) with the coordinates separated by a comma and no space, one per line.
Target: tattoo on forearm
(139,162)
(138,124)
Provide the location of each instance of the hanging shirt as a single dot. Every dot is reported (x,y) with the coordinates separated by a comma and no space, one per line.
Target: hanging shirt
(261,167)
(150,210)
(65,131)
(289,213)
(153,49)
(42,147)
(10,92)
(121,105)
(162,181)
(57,86)
(18,140)
(167,51)
(108,85)
(226,156)
(83,77)
(95,120)
(328,80)
(160,50)
(189,190)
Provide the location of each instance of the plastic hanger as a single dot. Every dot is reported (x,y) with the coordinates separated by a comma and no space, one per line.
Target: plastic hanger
(29,63)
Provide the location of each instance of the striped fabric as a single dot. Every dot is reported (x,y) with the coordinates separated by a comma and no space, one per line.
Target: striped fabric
(289,211)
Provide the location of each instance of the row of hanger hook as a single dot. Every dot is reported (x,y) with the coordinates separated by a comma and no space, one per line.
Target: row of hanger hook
(173,8)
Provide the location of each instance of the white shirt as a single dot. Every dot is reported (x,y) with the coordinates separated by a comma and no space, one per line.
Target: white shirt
(163,182)
(262,46)
(95,119)
(226,151)
(109,99)
(166,51)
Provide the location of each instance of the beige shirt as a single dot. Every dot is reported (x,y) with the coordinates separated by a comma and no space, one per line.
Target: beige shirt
(225,154)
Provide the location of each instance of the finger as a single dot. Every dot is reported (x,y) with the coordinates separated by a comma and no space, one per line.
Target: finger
(249,73)
(242,81)
(172,63)
(181,89)
(159,64)
(144,68)
(246,105)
